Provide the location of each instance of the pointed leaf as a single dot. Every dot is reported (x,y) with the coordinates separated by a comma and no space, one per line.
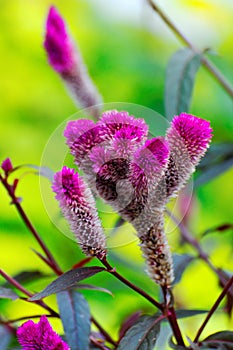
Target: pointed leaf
(75,316)
(189,313)
(220,228)
(6,293)
(27,276)
(180,263)
(91,287)
(68,280)
(129,322)
(221,340)
(180,76)
(5,338)
(142,335)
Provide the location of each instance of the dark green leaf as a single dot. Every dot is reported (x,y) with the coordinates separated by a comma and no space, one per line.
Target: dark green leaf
(142,335)
(213,171)
(220,228)
(68,280)
(75,316)
(27,276)
(180,263)
(180,76)
(221,340)
(218,159)
(189,313)
(95,288)
(6,293)
(5,338)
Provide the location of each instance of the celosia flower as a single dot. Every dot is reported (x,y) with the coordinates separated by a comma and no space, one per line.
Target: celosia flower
(78,207)
(7,166)
(188,138)
(58,44)
(39,336)
(66,60)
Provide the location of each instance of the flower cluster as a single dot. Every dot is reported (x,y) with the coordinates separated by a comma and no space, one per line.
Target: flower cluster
(40,336)
(65,58)
(132,173)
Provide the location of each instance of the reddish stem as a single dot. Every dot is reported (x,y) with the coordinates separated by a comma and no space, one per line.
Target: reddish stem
(214,308)
(11,191)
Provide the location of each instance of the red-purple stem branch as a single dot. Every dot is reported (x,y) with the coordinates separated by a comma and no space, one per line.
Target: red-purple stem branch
(11,191)
(205,61)
(17,285)
(214,308)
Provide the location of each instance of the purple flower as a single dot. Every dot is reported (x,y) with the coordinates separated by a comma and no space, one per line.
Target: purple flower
(193,134)
(58,44)
(115,120)
(39,336)
(78,207)
(65,58)
(188,138)
(7,166)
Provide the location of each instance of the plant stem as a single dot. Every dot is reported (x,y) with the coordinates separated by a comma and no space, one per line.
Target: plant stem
(214,307)
(113,272)
(170,313)
(15,201)
(103,332)
(18,286)
(205,61)
(188,237)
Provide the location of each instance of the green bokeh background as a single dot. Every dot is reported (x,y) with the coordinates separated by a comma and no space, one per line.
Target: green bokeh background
(127,60)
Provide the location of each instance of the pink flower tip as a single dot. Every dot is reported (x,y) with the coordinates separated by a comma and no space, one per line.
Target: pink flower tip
(39,336)
(194,132)
(68,185)
(152,156)
(58,44)
(7,166)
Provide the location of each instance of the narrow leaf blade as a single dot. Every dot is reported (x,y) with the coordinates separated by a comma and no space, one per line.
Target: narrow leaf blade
(5,338)
(6,293)
(75,316)
(68,280)
(181,262)
(180,77)
(142,335)
(222,339)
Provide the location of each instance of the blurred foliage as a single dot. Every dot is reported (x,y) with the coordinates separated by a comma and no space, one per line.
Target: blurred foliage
(127,62)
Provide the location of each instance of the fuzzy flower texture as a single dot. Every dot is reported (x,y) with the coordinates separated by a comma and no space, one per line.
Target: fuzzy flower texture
(40,336)
(135,175)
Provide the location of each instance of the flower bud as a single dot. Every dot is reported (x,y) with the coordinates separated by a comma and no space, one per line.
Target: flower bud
(78,207)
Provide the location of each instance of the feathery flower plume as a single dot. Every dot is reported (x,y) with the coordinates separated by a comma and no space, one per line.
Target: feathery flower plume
(188,138)
(40,336)
(66,60)
(78,207)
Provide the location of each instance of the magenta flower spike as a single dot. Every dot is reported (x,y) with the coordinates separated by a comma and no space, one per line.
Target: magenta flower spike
(7,166)
(65,58)
(58,44)
(39,335)
(189,138)
(115,120)
(78,207)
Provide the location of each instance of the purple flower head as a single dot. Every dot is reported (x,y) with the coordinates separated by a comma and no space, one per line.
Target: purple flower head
(195,134)
(7,165)
(82,135)
(40,335)
(60,49)
(188,138)
(115,121)
(150,159)
(78,207)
